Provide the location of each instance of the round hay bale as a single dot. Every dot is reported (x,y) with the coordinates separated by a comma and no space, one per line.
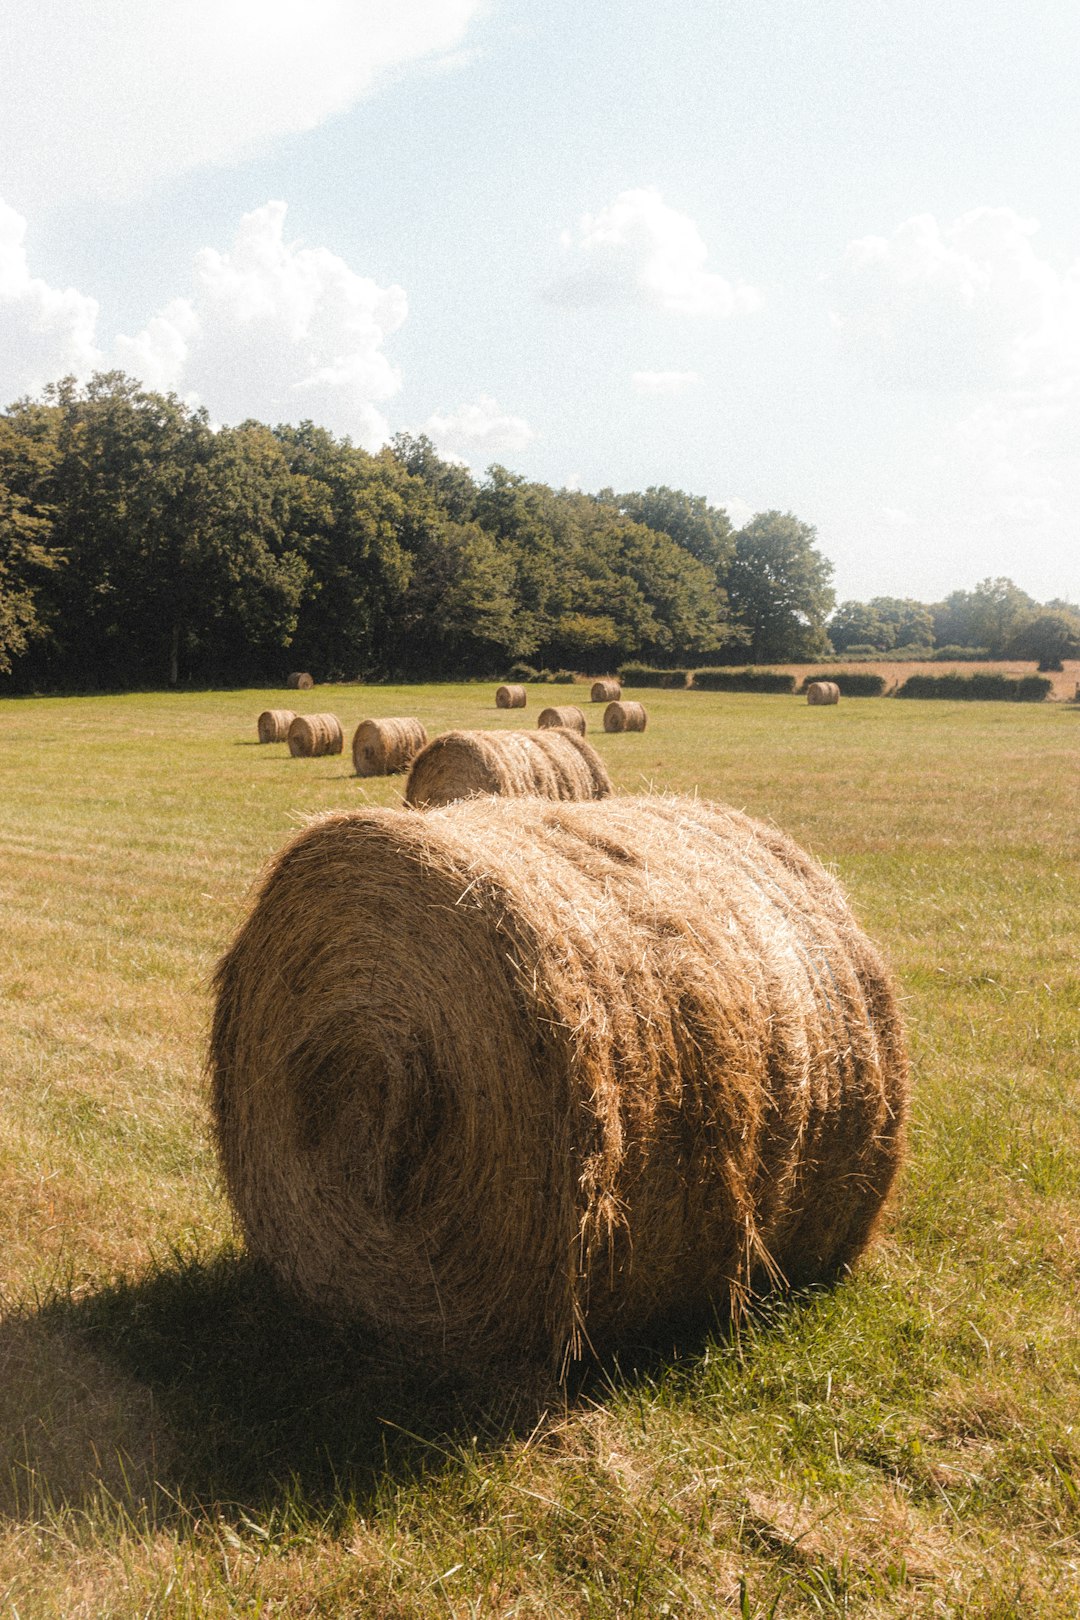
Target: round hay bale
(551,764)
(384,747)
(511,697)
(820,692)
(274,725)
(516,1077)
(608,691)
(312,735)
(564,714)
(625,716)
(300,682)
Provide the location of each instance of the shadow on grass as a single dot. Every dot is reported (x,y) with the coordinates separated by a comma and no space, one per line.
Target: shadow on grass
(201,1385)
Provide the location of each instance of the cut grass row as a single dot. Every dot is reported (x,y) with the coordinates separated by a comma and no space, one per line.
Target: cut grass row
(179,1441)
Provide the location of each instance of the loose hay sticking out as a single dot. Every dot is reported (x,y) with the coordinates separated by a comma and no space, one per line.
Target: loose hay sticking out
(566,714)
(384,747)
(552,764)
(311,735)
(511,697)
(274,725)
(606,691)
(300,682)
(822,692)
(625,716)
(518,1077)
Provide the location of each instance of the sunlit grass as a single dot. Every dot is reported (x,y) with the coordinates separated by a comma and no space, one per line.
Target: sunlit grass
(179,1441)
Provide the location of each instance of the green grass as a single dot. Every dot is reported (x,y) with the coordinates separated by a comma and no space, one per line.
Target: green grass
(178,1440)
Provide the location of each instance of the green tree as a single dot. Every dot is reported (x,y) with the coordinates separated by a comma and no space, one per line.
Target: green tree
(1050,637)
(704,531)
(27,461)
(780,590)
(990,616)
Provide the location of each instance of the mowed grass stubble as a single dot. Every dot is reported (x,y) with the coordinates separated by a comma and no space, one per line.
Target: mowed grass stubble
(907,1444)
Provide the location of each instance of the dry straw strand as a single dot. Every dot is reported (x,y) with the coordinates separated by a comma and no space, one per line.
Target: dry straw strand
(384,747)
(274,725)
(822,692)
(516,1077)
(300,682)
(511,697)
(312,735)
(606,691)
(625,716)
(564,714)
(550,764)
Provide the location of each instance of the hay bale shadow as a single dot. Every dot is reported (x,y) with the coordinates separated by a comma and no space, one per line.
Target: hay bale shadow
(201,1386)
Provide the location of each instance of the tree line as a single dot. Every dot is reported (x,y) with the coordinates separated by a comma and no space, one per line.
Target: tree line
(140,546)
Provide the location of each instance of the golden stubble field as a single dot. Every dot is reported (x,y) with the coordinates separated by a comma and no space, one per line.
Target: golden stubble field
(178,1441)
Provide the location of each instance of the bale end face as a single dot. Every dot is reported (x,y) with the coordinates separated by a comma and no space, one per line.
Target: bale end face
(385,747)
(606,691)
(511,697)
(300,682)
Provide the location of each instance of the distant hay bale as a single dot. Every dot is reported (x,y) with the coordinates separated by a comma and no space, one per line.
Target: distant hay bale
(819,692)
(384,747)
(301,682)
(548,764)
(274,725)
(606,691)
(515,1077)
(312,735)
(625,716)
(511,697)
(564,714)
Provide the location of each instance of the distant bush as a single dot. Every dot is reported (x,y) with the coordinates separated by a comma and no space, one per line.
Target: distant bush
(645,675)
(852,682)
(961,655)
(861,648)
(563,677)
(984,687)
(743,680)
(522,672)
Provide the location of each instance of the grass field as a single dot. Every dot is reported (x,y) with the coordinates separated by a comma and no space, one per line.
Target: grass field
(178,1441)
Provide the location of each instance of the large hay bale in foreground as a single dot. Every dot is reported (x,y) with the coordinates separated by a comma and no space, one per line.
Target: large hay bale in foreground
(625,716)
(511,697)
(822,692)
(519,1077)
(300,682)
(274,725)
(567,715)
(607,691)
(384,747)
(550,764)
(312,735)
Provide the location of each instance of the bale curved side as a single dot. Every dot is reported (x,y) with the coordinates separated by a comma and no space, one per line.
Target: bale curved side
(563,714)
(606,691)
(549,764)
(625,716)
(274,725)
(516,1077)
(385,747)
(300,681)
(511,697)
(312,735)
(822,692)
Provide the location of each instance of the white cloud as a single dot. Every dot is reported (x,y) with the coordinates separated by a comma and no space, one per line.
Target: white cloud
(739,511)
(663,382)
(45,332)
(480,428)
(638,250)
(269,328)
(103,98)
(970,306)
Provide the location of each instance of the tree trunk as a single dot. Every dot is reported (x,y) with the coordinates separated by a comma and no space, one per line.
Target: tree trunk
(174,654)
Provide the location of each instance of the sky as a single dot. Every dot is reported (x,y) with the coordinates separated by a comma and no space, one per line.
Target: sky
(824,259)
